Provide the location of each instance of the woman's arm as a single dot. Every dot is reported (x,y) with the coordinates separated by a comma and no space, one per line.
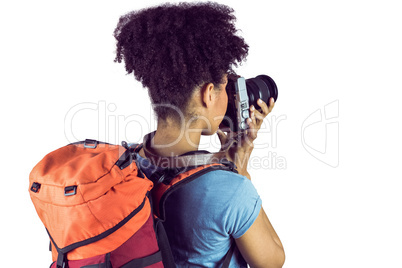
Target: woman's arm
(260,246)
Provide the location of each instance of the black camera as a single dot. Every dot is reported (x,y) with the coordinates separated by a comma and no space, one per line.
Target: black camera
(242,93)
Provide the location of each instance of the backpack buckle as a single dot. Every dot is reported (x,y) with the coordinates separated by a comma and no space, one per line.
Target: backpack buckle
(228,163)
(70,190)
(35,187)
(91,144)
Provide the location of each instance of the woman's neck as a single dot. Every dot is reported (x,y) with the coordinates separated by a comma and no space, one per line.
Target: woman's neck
(172,140)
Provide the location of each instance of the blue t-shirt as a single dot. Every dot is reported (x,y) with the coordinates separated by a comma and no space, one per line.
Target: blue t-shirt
(204,216)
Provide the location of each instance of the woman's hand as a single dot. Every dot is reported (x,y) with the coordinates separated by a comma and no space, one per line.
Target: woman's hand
(240,151)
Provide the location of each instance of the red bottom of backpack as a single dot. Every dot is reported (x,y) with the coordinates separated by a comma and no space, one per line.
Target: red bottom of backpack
(141,245)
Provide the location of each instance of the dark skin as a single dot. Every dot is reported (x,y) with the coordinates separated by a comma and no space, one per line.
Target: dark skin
(240,153)
(260,245)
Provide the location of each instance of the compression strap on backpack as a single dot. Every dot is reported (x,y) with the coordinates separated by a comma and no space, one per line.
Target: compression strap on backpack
(145,261)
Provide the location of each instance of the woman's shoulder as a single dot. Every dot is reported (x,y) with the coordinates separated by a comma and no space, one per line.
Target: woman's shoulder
(221,176)
(224,183)
(227,196)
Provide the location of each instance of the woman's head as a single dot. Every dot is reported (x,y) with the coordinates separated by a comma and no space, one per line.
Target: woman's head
(175,49)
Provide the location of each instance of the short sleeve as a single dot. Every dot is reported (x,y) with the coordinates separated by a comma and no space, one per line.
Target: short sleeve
(244,209)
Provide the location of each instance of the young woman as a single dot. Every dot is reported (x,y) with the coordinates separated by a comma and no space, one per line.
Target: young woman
(183,54)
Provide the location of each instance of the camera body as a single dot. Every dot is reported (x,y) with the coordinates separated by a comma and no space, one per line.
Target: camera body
(242,93)
(238,104)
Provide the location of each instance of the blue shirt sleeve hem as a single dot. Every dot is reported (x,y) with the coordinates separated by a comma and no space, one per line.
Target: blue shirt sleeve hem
(250,221)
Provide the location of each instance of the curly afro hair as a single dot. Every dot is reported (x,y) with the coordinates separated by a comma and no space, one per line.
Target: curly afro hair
(173,49)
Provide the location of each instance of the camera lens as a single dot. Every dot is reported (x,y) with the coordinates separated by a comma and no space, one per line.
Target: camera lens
(261,87)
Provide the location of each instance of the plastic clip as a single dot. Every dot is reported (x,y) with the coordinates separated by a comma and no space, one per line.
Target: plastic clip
(35,187)
(91,144)
(70,190)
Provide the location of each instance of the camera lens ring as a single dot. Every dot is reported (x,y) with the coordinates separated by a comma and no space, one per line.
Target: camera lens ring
(263,89)
(273,89)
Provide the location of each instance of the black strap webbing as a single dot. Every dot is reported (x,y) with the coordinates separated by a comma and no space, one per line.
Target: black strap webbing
(229,255)
(164,246)
(62,260)
(143,262)
(99,265)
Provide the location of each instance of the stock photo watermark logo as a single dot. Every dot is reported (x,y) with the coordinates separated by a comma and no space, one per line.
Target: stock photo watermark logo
(320,134)
(106,124)
(269,159)
(109,125)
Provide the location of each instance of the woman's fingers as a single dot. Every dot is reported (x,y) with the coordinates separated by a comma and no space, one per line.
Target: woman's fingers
(257,117)
(265,110)
(252,129)
(254,122)
(271,104)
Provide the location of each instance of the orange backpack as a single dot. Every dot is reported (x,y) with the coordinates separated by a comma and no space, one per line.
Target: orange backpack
(96,206)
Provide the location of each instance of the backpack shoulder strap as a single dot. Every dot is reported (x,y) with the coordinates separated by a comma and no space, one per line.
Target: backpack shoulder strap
(229,255)
(173,179)
(181,170)
(172,182)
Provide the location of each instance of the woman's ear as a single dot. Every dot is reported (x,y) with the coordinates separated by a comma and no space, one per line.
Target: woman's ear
(208,95)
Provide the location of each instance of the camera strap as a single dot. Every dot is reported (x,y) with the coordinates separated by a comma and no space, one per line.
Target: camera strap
(193,159)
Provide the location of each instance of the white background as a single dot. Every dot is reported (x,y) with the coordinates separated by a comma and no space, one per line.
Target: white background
(57,55)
